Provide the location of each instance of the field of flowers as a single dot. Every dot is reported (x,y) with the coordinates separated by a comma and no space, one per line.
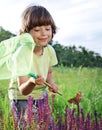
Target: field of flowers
(69,111)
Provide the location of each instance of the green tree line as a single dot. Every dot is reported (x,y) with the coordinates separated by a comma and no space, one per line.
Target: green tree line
(73,56)
(69,56)
(5,34)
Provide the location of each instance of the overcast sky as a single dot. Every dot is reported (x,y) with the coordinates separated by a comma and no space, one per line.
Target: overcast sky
(79,22)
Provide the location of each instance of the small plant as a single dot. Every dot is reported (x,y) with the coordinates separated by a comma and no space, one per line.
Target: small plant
(42,119)
(64,114)
(1,116)
(76,100)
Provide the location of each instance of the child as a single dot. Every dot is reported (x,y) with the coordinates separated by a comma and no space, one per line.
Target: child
(39,26)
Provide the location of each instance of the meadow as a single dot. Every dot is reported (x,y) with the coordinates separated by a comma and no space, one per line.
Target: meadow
(71,81)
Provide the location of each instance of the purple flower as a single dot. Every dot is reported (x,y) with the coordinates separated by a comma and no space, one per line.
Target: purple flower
(15,116)
(30,112)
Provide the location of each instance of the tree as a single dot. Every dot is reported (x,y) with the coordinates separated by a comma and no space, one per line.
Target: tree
(5,34)
(67,55)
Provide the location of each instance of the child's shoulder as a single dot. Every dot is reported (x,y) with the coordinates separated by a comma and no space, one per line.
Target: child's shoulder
(50,49)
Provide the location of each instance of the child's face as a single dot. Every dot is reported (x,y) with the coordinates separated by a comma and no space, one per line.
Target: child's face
(41,34)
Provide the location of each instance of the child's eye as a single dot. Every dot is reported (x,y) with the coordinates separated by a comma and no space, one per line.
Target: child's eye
(47,29)
(36,30)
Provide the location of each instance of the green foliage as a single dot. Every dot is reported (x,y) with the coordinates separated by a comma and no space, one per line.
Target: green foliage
(67,55)
(74,80)
(5,34)
(70,81)
(72,56)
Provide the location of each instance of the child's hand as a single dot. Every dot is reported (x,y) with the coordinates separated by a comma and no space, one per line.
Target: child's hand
(40,80)
(54,88)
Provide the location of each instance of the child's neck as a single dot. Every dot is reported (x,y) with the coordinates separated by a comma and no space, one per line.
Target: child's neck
(38,50)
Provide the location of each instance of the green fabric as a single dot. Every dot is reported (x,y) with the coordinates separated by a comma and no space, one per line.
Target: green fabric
(39,65)
(15,55)
(17,59)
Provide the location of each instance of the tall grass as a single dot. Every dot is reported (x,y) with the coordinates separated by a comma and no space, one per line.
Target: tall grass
(74,80)
(88,81)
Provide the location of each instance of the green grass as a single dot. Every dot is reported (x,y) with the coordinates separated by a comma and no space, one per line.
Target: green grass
(70,81)
(74,80)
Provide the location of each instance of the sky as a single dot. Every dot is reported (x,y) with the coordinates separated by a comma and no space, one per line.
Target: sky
(79,22)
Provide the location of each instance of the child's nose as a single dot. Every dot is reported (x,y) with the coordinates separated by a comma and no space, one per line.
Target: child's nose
(43,32)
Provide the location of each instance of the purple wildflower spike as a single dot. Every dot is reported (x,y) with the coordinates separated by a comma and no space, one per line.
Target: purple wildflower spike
(59,123)
(29,111)
(96,120)
(15,116)
(53,97)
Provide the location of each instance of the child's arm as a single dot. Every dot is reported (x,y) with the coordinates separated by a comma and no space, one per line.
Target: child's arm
(50,80)
(26,84)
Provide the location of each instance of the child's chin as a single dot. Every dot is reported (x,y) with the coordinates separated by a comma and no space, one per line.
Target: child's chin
(45,46)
